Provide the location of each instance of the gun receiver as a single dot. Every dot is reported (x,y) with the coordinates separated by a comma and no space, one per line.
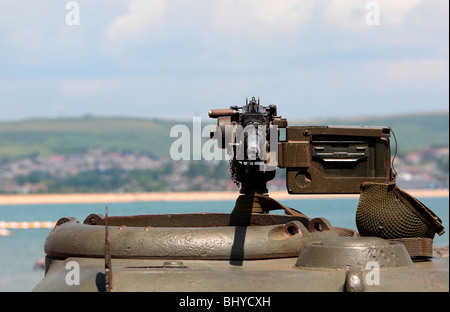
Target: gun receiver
(318,159)
(249,134)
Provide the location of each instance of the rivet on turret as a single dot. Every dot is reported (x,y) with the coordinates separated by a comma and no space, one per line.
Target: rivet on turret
(353,281)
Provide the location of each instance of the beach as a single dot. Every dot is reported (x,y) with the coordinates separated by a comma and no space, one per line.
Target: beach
(175,196)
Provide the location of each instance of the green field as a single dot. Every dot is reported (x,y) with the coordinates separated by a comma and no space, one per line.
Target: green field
(152,136)
(76,135)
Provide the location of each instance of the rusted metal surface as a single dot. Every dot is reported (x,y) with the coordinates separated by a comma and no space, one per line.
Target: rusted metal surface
(294,154)
(210,242)
(191,220)
(338,160)
(354,253)
(255,204)
(317,225)
(216,113)
(418,247)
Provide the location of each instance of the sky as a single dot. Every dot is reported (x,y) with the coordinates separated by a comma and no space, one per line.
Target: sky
(181,58)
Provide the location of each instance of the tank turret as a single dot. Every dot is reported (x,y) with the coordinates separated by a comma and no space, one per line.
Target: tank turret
(251,249)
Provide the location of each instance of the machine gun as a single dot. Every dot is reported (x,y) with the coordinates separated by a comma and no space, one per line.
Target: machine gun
(318,159)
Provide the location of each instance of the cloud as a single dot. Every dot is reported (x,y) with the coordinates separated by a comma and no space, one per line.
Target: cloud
(86,88)
(174,56)
(397,12)
(414,78)
(424,71)
(283,28)
(225,19)
(141,16)
(262,17)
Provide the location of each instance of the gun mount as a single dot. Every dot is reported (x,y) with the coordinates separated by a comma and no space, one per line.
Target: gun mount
(318,160)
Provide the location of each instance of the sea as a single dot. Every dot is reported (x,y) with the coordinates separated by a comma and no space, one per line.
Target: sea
(20,251)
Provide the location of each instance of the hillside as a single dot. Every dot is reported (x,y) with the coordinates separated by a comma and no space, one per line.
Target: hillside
(129,155)
(47,137)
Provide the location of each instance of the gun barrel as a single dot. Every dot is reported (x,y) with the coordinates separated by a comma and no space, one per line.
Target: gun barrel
(216,113)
